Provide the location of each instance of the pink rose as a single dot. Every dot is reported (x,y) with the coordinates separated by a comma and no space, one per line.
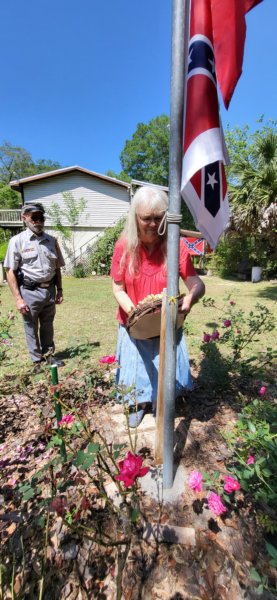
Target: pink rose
(130,469)
(66,421)
(231,484)
(206,337)
(232,303)
(263,390)
(215,335)
(250,460)
(108,360)
(227,323)
(215,504)
(195,481)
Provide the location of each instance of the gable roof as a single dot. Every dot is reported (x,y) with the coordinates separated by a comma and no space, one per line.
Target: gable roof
(18,183)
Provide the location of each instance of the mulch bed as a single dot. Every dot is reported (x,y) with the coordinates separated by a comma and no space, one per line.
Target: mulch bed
(213,563)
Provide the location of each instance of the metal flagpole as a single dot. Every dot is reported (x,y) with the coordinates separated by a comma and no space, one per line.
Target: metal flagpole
(180,36)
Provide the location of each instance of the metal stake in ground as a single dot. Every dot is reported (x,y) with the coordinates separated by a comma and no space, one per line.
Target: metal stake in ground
(58,409)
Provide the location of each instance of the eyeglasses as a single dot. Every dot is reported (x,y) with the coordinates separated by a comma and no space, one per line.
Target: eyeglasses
(150,218)
(37,217)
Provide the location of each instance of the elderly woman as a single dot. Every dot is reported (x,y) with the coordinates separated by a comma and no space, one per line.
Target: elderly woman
(139,269)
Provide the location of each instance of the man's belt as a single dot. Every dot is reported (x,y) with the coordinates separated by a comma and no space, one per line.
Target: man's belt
(28,284)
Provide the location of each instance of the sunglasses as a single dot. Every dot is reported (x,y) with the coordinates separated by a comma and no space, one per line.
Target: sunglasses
(37,217)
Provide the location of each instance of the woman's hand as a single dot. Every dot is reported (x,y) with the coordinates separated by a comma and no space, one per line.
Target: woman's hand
(186,304)
(196,290)
(122,297)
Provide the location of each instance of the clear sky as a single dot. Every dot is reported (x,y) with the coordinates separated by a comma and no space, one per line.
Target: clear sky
(77,77)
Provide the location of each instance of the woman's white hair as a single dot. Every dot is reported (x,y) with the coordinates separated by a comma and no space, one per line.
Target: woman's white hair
(145,197)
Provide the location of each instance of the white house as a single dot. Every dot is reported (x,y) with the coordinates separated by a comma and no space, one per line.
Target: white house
(107,199)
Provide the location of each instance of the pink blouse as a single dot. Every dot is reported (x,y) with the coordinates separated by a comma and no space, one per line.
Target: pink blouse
(151,278)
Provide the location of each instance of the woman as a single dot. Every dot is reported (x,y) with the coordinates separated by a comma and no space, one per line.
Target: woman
(139,269)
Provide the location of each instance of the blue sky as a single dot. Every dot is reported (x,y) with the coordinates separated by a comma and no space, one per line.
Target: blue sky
(77,78)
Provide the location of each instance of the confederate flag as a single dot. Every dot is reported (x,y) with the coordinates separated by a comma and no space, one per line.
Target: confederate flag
(229,29)
(204,188)
(194,246)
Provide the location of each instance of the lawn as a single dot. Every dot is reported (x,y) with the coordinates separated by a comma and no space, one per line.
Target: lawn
(86,327)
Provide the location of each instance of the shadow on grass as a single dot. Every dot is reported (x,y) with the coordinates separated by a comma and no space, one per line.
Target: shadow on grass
(83,350)
(270,293)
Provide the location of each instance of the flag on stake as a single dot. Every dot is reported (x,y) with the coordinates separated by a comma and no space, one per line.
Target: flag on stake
(204,186)
(194,246)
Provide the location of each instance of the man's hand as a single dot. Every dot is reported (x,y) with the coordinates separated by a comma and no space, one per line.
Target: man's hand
(22,307)
(59,297)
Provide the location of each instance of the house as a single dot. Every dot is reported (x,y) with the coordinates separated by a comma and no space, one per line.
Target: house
(107,200)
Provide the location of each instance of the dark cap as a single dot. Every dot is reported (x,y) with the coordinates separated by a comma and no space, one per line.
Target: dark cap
(29,208)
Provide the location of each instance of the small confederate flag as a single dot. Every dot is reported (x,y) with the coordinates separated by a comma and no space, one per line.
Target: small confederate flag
(204,187)
(195,246)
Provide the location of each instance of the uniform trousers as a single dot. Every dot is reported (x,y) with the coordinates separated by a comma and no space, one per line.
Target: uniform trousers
(38,322)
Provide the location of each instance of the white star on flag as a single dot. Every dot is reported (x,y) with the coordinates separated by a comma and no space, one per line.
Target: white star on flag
(212,180)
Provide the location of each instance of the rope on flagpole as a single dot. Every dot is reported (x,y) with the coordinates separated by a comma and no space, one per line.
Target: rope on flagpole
(169,218)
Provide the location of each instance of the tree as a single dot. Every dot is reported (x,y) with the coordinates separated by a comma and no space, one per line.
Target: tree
(66,219)
(16,162)
(146,155)
(8,197)
(252,186)
(252,179)
(43,166)
(122,176)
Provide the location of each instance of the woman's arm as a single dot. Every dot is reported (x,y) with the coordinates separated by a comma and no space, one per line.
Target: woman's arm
(122,297)
(196,290)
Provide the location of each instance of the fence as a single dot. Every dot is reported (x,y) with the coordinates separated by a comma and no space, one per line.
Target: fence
(10,217)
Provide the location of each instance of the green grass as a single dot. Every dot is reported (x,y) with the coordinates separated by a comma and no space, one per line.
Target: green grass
(86,326)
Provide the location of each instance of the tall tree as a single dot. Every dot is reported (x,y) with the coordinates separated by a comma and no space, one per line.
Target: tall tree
(146,155)
(16,162)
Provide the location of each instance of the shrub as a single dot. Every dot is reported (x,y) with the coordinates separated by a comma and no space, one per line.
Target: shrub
(102,251)
(238,254)
(3,250)
(79,271)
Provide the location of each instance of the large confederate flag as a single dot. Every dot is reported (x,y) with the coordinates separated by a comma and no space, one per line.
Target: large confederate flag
(229,29)
(219,23)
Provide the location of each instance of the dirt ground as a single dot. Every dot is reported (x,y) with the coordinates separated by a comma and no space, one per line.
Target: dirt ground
(184,551)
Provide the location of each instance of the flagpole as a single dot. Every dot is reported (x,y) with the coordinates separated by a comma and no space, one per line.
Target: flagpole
(180,36)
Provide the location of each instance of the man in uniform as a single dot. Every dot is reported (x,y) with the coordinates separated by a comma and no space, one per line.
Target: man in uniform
(33,262)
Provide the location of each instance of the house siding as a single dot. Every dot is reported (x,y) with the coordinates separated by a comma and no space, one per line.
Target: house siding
(106,202)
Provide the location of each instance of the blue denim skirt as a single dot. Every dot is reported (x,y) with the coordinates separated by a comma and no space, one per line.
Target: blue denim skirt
(138,361)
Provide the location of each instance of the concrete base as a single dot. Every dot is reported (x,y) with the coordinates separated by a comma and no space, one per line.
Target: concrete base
(152,484)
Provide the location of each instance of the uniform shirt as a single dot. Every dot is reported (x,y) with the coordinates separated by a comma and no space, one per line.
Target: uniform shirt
(37,256)
(151,276)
